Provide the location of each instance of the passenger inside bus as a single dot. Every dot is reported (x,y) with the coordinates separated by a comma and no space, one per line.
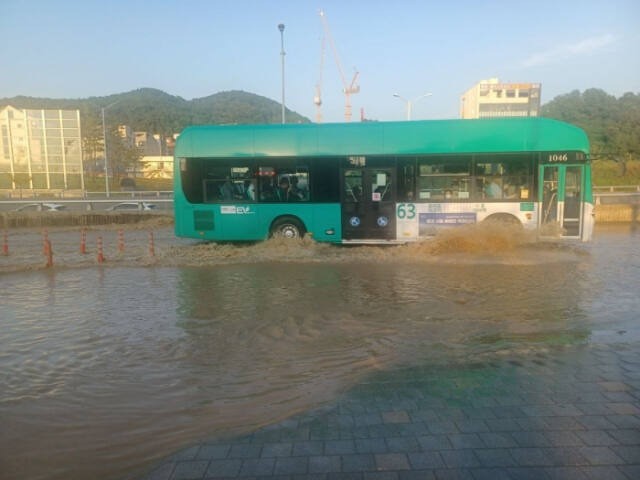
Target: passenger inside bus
(296,193)
(250,190)
(267,190)
(510,191)
(285,185)
(283,193)
(226,190)
(494,190)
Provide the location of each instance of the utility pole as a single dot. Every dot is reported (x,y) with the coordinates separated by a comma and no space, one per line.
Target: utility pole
(106,161)
(282,54)
(106,157)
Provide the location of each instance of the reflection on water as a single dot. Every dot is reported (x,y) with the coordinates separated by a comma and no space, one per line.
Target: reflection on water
(105,370)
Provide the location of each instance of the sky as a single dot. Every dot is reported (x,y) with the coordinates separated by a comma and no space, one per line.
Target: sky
(76,49)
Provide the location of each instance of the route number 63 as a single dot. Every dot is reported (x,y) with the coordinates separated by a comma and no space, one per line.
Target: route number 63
(406,210)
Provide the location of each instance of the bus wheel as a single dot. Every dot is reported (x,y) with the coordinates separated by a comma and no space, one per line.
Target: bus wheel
(503,219)
(287,227)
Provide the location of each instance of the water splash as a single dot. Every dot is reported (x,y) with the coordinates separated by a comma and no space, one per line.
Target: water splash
(273,249)
(492,238)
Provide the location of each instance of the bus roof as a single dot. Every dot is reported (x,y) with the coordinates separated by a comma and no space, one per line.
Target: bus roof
(381,138)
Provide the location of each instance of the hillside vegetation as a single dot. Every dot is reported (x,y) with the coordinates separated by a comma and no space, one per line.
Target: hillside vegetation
(613,127)
(155,111)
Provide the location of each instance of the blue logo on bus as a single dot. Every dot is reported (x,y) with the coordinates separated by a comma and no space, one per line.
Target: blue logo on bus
(383,221)
(354,221)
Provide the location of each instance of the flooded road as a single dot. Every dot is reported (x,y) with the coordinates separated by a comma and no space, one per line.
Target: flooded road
(106,369)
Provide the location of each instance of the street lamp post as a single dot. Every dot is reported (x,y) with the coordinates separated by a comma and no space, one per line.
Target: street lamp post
(282,54)
(106,157)
(410,102)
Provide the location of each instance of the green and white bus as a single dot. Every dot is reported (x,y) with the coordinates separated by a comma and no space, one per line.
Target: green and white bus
(381,182)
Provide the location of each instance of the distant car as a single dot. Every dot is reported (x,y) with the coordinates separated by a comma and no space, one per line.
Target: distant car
(132,206)
(41,207)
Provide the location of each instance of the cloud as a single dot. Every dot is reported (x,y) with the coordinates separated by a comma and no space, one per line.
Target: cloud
(569,50)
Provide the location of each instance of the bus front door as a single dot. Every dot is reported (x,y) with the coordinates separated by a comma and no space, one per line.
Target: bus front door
(368,204)
(561,193)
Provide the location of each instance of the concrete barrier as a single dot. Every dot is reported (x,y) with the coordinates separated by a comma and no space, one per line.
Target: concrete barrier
(55,219)
(617,213)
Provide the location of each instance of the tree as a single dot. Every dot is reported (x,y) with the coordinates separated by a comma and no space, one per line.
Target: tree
(92,143)
(123,158)
(613,127)
(21,180)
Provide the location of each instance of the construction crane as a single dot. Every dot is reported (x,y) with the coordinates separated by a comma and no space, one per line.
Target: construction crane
(348,90)
(317,99)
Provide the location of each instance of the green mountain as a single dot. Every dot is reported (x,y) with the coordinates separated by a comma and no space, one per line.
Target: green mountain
(613,127)
(152,110)
(612,124)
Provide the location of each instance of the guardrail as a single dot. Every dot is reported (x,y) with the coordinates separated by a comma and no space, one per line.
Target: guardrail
(617,194)
(133,194)
(89,203)
(79,194)
(616,188)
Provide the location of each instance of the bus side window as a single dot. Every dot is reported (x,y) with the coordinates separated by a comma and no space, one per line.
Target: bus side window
(284,185)
(228,184)
(502,177)
(444,178)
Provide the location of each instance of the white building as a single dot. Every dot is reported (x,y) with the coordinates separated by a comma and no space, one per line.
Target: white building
(490,99)
(157,166)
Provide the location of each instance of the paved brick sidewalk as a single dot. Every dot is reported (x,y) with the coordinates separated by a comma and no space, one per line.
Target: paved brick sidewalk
(567,413)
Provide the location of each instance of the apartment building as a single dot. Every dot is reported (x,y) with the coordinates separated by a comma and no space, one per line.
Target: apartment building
(490,99)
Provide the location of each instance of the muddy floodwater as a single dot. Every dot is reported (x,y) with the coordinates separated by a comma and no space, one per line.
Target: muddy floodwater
(108,368)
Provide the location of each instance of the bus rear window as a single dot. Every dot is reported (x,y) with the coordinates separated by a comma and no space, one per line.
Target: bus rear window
(191,179)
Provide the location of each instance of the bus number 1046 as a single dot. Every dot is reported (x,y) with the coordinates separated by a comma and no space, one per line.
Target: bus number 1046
(558,157)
